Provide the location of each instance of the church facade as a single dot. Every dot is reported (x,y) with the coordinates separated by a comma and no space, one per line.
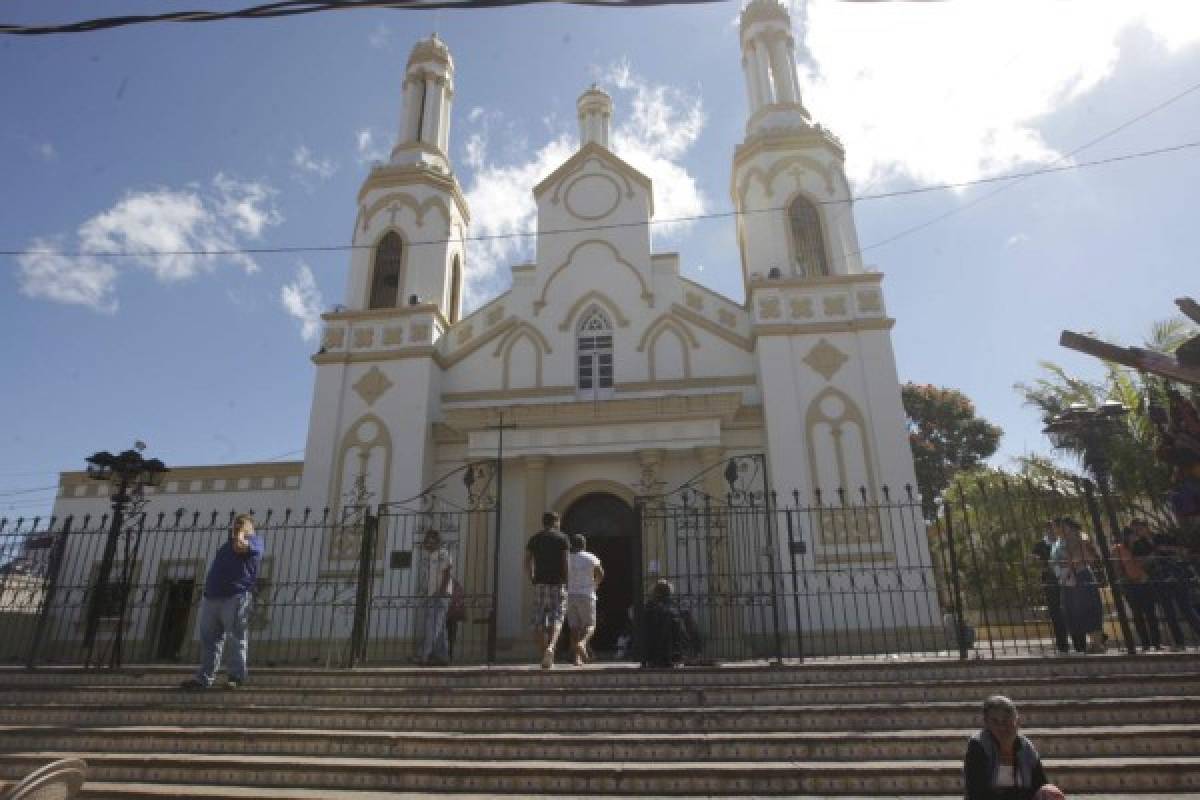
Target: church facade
(602,375)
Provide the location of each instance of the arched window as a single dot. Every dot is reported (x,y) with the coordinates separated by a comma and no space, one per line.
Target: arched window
(808,245)
(455,290)
(594,350)
(385,276)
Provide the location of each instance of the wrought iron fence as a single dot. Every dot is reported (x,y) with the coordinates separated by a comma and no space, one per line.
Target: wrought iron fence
(758,575)
(332,590)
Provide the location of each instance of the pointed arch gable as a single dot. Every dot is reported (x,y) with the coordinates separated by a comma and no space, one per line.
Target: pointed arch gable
(647,295)
(353,439)
(507,360)
(517,329)
(593,298)
(407,201)
(652,355)
(849,414)
(664,321)
(767,177)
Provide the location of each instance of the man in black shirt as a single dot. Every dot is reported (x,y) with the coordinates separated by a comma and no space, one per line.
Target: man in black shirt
(546,563)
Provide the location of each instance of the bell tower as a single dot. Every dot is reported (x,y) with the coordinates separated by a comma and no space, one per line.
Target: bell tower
(404,292)
(412,217)
(789,181)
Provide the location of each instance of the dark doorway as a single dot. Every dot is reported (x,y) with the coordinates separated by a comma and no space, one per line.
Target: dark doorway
(177,609)
(609,525)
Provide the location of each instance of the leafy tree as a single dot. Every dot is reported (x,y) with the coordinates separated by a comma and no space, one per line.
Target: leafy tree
(1131,443)
(946,437)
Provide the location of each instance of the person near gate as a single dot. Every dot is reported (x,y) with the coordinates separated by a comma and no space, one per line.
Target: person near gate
(1051,591)
(1076,562)
(435,650)
(546,564)
(584,574)
(225,607)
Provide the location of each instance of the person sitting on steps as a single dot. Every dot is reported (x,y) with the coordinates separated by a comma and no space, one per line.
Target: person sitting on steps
(1001,764)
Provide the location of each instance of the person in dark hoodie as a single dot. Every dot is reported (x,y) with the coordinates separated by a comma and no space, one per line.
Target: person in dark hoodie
(225,609)
(1001,764)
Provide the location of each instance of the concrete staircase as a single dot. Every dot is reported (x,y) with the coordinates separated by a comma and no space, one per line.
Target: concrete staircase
(1107,727)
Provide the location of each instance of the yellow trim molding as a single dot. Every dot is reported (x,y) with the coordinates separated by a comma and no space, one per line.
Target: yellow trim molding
(647,295)
(713,328)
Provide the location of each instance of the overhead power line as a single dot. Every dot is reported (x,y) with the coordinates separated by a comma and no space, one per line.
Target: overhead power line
(291,8)
(1020,178)
(941,187)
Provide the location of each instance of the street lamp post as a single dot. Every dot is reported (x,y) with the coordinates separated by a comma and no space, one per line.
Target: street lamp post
(129,474)
(1089,430)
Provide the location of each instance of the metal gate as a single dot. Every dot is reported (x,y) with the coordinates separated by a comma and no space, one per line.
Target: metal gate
(713,539)
(392,600)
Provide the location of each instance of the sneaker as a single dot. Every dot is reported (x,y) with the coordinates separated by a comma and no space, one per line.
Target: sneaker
(233,684)
(193,685)
(548,658)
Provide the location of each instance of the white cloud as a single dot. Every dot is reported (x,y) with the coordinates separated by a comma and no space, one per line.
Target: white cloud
(302,299)
(46,274)
(368,147)
(656,127)
(663,125)
(308,164)
(172,233)
(949,92)
(380,37)
(1016,239)
(47,152)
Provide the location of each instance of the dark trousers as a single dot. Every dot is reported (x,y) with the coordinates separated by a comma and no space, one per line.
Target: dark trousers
(1141,599)
(1175,597)
(1052,593)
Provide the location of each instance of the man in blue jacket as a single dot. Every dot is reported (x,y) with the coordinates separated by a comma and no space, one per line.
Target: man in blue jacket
(225,609)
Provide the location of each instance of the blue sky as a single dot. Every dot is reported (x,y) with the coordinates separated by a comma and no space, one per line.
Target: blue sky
(247,134)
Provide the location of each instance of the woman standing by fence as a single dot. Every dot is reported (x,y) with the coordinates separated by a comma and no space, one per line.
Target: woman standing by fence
(1076,561)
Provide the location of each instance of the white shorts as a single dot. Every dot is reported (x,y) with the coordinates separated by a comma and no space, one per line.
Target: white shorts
(581,611)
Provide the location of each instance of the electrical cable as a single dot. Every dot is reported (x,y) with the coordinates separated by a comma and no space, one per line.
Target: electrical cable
(289,8)
(958,210)
(1016,177)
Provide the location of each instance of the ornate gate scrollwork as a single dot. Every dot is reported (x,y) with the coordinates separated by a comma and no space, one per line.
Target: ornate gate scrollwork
(712,538)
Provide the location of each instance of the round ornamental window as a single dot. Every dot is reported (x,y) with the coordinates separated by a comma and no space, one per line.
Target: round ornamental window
(592,196)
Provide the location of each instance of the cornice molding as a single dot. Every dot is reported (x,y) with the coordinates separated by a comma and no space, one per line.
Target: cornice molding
(372,356)
(846,326)
(375,314)
(387,176)
(815,282)
(604,412)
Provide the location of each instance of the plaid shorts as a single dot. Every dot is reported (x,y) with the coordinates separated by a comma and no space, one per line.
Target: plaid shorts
(549,605)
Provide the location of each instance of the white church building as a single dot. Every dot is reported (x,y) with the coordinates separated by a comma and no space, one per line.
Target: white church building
(608,375)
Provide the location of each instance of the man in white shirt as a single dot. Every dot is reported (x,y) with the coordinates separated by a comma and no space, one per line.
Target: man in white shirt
(434,645)
(584,574)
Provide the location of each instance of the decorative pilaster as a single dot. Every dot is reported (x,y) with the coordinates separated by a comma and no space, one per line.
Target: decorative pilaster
(783,70)
(759,59)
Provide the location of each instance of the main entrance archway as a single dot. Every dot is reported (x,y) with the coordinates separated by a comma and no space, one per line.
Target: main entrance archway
(612,534)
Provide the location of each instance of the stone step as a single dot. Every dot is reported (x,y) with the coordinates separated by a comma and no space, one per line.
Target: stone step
(239,709)
(628,675)
(152,791)
(1021,689)
(916,778)
(1102,741)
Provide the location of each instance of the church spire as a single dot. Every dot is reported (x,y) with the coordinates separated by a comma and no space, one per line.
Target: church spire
(595,114)
(425,116)
(769,64)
